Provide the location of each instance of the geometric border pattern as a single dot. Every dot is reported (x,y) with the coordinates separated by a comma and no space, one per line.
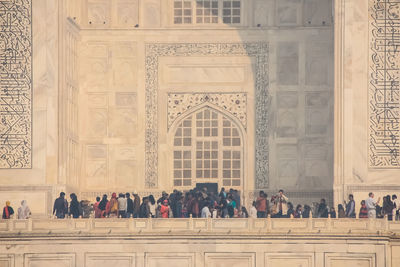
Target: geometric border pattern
(16,84)
(257,50)
(384,84)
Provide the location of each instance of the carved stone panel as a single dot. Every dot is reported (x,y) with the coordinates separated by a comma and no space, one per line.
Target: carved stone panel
(384,84)
(16,84)
(257,50)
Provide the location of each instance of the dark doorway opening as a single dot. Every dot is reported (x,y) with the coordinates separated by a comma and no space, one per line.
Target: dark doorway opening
(211,187)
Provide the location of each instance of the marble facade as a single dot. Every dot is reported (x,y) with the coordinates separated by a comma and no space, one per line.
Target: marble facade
(105,73)
(311,87)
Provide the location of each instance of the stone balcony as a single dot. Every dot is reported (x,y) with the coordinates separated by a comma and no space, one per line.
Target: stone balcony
(199,242)
(188,226)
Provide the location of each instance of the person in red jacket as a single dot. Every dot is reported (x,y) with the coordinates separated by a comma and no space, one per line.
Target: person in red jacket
(164,210)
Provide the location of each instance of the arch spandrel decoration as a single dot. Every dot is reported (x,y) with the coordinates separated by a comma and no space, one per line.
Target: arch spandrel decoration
(234,103)
(257,50)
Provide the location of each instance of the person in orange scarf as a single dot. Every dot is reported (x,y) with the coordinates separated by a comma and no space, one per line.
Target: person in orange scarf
(7,211)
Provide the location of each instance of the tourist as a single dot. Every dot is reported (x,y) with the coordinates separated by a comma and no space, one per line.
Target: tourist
(112,206)
(129,206)
(341,212)
(322,211)
(281,206)
(290,211)
(144,211)
(243,213)
(8,211)
(396,207)
(74,206)
(24,212)
(307,211)
(236,197)
(350,207)
(164,209)
(205,212)
(231,206)
(253,210)
(371,205)
(96,208)
(164,196)
(122,205)
(179,206)
(60,208)
(222,194)
(136,205)
(387,207)
(152,206)
(223,208)
(262,205)
(363,210)
(103,206)
(332,212)
(298,212)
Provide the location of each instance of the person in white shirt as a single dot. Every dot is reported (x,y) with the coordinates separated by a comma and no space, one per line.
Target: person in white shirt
(371,205)
(253,211)
(122,205)
(205,212)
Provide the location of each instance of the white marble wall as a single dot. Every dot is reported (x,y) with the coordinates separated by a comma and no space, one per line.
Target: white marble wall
(107,152)
(300,66)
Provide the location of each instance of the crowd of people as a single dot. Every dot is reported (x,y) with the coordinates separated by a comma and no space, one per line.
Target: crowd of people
(200,203)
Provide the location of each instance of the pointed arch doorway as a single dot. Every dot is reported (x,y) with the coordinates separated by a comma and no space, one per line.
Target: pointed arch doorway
(208,147)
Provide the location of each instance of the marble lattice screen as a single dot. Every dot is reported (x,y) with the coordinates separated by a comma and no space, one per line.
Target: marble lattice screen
(15,84)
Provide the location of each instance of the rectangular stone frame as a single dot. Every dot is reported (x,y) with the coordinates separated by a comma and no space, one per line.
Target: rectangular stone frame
(257,50)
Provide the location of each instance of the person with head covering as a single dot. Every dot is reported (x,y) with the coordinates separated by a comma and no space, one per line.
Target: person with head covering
(7,211)
(112,206)
(24,211)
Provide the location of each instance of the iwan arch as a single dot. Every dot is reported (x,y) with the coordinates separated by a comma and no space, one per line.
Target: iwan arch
(102,79)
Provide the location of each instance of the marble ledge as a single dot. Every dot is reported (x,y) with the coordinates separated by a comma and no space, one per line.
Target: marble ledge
(199,226)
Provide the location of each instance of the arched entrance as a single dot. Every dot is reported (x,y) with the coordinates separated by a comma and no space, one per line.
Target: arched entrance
(208,147)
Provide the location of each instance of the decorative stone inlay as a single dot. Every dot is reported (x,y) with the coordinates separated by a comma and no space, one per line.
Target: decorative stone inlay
(16,84)
(234,103)
(384,84)
(257,50)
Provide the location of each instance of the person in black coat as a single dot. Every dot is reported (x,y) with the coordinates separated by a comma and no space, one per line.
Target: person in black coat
(74,207)
(144,208)
(60,207)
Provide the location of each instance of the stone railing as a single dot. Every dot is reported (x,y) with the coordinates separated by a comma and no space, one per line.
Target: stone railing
(198,225)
